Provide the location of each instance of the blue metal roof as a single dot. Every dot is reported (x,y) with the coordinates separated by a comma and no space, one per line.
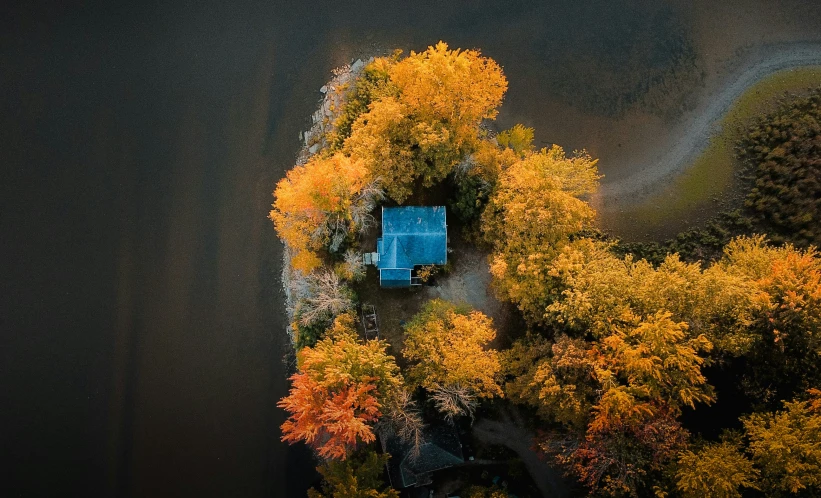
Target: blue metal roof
(392,253)
(413,220)
(412,236)
(394,278)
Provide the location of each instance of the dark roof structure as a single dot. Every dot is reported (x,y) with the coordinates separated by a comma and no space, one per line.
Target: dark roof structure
(411,236)
(441,450)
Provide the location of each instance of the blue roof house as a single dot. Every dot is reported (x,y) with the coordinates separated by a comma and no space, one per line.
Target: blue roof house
(411,236)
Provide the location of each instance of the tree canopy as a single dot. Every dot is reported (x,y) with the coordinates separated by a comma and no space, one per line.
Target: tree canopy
(339,392)
(779,453)
(598,288)
(618,351)
(531,215)
(718,469)
(318,205)
(783,151)
(786,445)
(447,347)
(356,477)
(519,139)
(633,343)
(318,298)
(421,131)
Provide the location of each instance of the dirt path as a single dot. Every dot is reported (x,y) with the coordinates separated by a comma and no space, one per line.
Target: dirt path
(512,435)
(695,130)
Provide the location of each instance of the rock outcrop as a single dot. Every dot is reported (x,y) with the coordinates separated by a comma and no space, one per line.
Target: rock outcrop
(333,98)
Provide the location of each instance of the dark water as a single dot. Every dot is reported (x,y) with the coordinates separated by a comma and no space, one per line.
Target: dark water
(141,332)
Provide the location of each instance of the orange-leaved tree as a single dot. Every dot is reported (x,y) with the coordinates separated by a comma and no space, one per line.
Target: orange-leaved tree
(339,392)
(318,205)
(789,303)
(332,420)
(785,317)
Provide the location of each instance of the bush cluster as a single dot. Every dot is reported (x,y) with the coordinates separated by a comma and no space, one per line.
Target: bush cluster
(782,155)
(783,152)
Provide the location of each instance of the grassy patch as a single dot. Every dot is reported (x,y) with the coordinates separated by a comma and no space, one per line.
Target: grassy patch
(711,175)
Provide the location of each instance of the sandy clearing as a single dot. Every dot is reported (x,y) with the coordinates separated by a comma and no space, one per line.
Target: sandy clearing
(693,134)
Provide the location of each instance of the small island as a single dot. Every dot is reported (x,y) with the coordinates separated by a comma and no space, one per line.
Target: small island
(462,326)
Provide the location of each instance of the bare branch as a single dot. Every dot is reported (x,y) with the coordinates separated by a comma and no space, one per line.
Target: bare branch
(366,201)
(353,268)
(407,419)
(326,298)
(454,401)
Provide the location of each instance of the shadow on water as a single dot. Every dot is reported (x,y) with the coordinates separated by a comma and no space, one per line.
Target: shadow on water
(629,55)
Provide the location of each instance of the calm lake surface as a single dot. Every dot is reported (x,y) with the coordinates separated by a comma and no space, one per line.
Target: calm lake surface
(141,327)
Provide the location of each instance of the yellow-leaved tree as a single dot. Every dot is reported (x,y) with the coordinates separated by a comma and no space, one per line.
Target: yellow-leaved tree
(318,205)
(639,339)
(718,469)
(431,121)
(489,160)
(530,217)
(357,477)
(786,446)
(372,85)
(447,344)
(619,381)
(519,139)
(636,367)
(781,457)
(618,399)
(475,179)
(598,287)
(459,87)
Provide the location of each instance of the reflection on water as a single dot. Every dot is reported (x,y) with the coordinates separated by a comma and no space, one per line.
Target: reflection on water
(622,57)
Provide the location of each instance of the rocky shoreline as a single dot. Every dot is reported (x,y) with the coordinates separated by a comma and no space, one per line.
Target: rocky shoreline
(333,98)
(314,140)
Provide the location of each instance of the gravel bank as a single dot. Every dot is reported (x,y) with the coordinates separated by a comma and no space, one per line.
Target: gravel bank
(695,130)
